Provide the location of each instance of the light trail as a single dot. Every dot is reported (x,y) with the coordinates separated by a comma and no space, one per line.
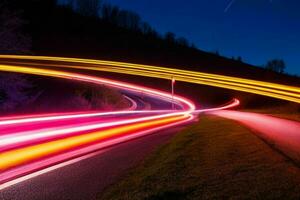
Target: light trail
(47,170)
(61,158)
(29,146)
(24,136)
(21,156)
(32,149)
(57,116)
(229,6)
(12,140)
(279,91)
(117,84)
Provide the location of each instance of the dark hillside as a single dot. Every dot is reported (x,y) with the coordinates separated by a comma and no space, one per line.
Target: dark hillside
(60,31)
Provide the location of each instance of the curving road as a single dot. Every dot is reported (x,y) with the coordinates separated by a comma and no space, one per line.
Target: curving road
(31,143)
(84,177)
(38,150)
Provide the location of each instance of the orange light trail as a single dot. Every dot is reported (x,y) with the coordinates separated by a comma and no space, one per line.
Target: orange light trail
(20,156)
(34,149)
(38,152)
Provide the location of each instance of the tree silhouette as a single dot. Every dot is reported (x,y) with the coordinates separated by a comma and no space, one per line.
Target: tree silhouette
(146,28)
(110,14)
(88,7)
(277,65)
(123,18)
(183,41)
(170,37)
(217,53)
(133,20)
(239,58)
(70,3)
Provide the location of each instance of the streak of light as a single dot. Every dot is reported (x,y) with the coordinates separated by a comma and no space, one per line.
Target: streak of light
(229,6)
(33,154)
(285,92)
(40,164)
(34,135)
(20,156)
(47,170)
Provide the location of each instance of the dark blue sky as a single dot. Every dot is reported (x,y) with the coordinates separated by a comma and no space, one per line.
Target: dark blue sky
(257,30)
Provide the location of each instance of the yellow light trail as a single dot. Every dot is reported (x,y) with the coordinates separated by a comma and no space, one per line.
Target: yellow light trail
(285,92)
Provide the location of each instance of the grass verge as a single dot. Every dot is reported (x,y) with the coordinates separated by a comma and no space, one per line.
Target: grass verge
(290,111)
(213,159)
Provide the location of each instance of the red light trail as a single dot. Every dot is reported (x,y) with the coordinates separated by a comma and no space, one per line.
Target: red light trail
(34,144)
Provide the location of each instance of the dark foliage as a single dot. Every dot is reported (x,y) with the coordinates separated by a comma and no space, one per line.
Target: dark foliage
(91,29)
(276,65)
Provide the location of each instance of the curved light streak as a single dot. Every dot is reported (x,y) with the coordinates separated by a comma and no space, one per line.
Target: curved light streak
(30,150)
(285,92)
(36,149)
(23,155)
(26,151)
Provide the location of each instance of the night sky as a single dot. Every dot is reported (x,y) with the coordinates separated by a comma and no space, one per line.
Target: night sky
(256,30)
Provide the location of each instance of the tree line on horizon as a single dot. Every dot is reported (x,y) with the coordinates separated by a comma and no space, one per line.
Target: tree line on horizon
(24,29)
(93,29)
(123,18)
(131,20)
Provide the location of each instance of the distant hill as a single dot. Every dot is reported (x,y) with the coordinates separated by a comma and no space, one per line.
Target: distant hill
(120,35)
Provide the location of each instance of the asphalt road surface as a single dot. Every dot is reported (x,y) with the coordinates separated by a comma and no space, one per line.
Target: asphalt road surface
(88,178)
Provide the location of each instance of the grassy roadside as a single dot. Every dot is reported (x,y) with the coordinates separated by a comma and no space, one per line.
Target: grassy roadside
(213,159)
(290,111)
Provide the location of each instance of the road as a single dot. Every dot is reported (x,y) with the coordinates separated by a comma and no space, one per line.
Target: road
(87,179)
(31,143)
(55,155)
(90,173)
